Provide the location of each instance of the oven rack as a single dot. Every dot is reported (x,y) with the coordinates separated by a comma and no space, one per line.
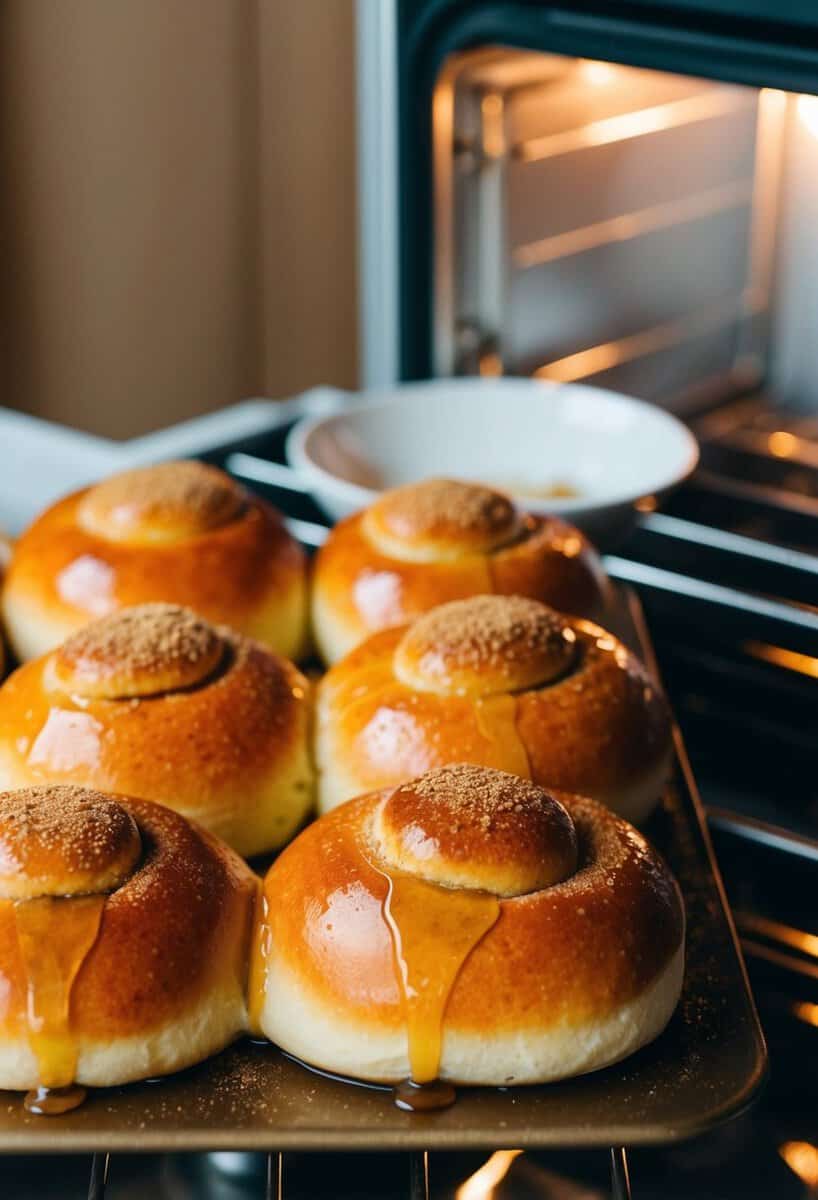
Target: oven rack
(687,573)
(254,459)
(418,1184)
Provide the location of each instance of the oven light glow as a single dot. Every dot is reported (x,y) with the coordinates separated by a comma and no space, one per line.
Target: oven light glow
(806,1011)
(596,73)
(703,106)
(808,113)
(782,444)
(481,1185)
(802,1159)
(773,98)
(791,660)
(797,939)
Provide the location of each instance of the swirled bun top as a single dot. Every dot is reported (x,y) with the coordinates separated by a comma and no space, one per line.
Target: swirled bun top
(181,533)
(523,934)
(504,682)
(161,504)
(441,518)
(64,841)
(428,543)
(124,939)
(485,645)
(141,651)
(465,826)
(155,701)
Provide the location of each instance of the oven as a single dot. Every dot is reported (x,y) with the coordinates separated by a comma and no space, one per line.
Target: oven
(623,195)
(620,194)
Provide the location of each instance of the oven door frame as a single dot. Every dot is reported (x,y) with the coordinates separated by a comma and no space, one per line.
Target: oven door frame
(402,45)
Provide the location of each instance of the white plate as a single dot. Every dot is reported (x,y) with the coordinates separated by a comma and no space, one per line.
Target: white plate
(522,435)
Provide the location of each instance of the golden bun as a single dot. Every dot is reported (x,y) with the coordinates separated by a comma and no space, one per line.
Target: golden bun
(156,702)
(442,539)
(180,532)
(64,842)
(382,967)
(467,827)
(124,939)
(500,681)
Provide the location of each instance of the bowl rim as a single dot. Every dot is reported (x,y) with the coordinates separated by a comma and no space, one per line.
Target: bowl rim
(355,495)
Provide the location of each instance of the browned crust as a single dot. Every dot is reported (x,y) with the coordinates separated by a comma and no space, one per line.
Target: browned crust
(597,729)
(463,825)
(448,514)
(64,841)
(177,747)
(139,651)
(230,574)
(568,953)
(174,929)
(167,501)
(486,644)
(367,591)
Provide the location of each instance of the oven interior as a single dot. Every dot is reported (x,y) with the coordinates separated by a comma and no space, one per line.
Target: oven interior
(685,202)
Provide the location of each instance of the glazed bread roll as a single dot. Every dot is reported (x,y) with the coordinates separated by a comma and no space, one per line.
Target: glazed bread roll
(156,702)
(181,532)
(502,681)
(468,926)
(124,939)
(421,545)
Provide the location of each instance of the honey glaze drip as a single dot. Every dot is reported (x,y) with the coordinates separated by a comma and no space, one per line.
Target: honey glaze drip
(434,929)
(55,937)
(53,1102)
(496,718)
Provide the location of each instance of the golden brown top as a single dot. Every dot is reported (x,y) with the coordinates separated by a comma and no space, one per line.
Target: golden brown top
(440,519)
(166,503)
(485,645)
(473,827)
(141,651)
(556,957)
(64,841)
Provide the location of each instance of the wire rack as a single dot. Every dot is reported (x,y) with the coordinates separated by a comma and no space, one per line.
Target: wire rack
(418,1182)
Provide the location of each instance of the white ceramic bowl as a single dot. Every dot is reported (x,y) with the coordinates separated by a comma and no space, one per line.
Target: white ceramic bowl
(606,451)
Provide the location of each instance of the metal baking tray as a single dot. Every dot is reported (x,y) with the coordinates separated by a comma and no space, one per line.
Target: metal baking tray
(705,1068)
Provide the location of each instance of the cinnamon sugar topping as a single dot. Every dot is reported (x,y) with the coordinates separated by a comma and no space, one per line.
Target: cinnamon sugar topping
(487,644)
(64,840)
(423,507)
(472,826)
(159,503)
(139,651)
(446,514)
(478,792)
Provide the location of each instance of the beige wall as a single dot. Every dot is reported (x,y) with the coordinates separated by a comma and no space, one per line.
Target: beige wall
(178,211)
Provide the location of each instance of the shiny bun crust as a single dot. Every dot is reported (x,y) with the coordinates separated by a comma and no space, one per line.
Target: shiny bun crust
(140,651)
(179,532)
(424,544)
(157,981)
(441,518)
(485,646)
(64,841)
(465,827)
(156,702)
(570,977)
(502,682)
